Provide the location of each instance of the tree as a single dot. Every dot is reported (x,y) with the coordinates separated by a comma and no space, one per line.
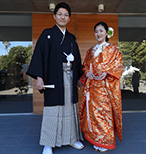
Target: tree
(127,48)
(134,53)
(139,57)
(14,63)
(6,46)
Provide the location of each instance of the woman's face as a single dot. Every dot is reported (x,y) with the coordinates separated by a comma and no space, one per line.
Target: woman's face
(62,17)
(100,34)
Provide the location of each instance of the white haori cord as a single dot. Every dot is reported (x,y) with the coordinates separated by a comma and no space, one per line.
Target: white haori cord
(69,58)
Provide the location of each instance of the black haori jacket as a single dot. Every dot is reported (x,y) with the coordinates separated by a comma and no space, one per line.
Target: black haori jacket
(47,62)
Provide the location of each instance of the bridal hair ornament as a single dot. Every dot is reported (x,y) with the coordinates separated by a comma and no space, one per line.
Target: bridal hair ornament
(110,32)
(69,58)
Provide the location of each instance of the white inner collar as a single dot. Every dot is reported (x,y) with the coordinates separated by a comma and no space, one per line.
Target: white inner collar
(98,48)
(62,30)
(100,45)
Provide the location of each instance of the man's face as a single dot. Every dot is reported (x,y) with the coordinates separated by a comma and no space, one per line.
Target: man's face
(62,17)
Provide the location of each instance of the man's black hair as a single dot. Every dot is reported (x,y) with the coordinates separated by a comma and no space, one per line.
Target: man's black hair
(62,5)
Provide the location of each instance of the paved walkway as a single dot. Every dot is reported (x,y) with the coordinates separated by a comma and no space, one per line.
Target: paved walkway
(20,135)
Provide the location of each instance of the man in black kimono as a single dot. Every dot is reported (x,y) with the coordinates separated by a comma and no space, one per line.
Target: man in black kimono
(56,62)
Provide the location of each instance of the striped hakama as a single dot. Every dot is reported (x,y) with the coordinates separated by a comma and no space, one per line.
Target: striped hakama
(60,124)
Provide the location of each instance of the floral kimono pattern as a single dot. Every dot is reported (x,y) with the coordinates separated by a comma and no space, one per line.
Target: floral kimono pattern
(100,110)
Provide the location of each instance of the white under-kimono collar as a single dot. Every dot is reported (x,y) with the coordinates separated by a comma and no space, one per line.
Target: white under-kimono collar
(98,48)
(62,30)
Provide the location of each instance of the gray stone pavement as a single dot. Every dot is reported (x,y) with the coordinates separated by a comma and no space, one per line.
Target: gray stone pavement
(19,134)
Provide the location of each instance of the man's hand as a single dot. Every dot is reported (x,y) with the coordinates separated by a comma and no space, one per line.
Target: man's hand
(39,84)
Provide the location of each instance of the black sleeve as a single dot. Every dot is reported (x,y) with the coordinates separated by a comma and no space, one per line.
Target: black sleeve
(79,65)
(35,68)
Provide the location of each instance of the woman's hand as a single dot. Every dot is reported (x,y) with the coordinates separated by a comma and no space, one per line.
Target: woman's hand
(39,84)
(102,76)
(80,84)
(89,75)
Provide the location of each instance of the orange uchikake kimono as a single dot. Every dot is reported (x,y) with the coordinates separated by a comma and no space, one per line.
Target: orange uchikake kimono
(100,110)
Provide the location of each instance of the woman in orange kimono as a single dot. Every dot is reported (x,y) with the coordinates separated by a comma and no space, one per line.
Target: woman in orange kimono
(100,109)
